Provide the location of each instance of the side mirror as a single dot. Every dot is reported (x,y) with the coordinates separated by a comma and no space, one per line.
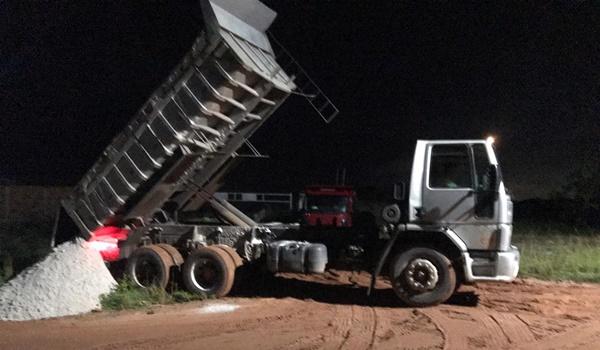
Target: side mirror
(399,191)
(493,177)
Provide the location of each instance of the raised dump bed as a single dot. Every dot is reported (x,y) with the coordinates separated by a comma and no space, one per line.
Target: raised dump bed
(182,140)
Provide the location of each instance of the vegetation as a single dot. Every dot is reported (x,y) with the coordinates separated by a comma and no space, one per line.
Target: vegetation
(128,296)
(560,243)
(558,252)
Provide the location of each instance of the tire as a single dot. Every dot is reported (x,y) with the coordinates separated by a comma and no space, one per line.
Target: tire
(210,271)
(235,257)
(173,253)
(149,267)
(422,277)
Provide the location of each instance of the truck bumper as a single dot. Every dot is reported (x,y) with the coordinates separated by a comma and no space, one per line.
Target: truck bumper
(492,267)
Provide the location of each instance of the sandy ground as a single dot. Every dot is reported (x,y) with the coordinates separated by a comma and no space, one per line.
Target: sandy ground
(331,311)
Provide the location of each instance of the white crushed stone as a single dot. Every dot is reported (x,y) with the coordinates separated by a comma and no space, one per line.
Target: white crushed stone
(69,281)
(218,308)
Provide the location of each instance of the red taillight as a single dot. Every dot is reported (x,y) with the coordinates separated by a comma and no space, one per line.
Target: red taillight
(105,240)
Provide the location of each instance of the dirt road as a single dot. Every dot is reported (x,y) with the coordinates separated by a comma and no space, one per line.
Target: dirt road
(331,312)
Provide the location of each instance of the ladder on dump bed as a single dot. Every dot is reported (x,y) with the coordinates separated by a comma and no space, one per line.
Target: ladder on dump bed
(305,86)
(185,137)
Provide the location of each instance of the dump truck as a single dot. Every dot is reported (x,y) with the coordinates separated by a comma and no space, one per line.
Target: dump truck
(142,201)
(328,206)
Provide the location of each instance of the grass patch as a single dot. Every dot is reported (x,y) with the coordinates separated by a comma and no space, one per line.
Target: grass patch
(558,253)
(128,296)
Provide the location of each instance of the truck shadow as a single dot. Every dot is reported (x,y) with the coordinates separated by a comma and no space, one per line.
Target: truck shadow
(342,294)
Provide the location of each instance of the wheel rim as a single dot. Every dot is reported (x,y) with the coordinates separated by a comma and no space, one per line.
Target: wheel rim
(421,275)
(206,275)
(146,272)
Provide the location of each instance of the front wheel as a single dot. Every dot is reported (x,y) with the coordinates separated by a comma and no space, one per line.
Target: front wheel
(422,277)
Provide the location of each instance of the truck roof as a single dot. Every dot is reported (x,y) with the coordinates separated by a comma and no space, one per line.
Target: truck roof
(336,190)
(455,141)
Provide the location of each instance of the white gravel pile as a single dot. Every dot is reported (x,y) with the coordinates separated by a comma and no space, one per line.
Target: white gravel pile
(69,281)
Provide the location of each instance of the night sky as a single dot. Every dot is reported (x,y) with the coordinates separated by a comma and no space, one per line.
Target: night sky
(72,74)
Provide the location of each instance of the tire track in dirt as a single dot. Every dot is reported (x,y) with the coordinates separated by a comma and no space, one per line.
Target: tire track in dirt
(374,330)
(346,325)
(515,330)
(447,328)
(475,329)
(361,332)
(366,327)
(440,329)
(579,338)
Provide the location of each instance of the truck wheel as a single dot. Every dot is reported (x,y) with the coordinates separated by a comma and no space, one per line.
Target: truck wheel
(422,277)
(149,266)
(210,271)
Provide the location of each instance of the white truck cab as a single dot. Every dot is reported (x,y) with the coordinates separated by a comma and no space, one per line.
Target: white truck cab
(455,226)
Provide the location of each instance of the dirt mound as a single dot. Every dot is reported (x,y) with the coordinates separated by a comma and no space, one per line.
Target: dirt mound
(68,281)
(330,311)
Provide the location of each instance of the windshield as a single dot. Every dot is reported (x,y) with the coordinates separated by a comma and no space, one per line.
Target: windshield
(329,204)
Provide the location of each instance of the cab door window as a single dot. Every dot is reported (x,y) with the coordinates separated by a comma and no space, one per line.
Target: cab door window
(450,167)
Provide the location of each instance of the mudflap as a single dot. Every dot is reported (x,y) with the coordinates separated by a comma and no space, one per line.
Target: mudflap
(382,259)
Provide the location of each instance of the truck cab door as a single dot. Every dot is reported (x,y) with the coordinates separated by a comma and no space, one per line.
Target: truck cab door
(448,196)
(458,191)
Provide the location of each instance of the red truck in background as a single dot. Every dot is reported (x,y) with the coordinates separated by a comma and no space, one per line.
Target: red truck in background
(328,206)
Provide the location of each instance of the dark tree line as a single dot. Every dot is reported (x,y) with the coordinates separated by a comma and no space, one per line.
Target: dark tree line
(577,203)
(584,191)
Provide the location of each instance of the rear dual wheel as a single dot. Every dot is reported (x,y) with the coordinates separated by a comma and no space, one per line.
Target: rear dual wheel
(150,266)
(422,277)
(209,270)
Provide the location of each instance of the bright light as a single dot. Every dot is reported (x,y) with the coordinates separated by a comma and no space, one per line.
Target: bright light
(108,248)
(105,240)
(490,139)
(101,246)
